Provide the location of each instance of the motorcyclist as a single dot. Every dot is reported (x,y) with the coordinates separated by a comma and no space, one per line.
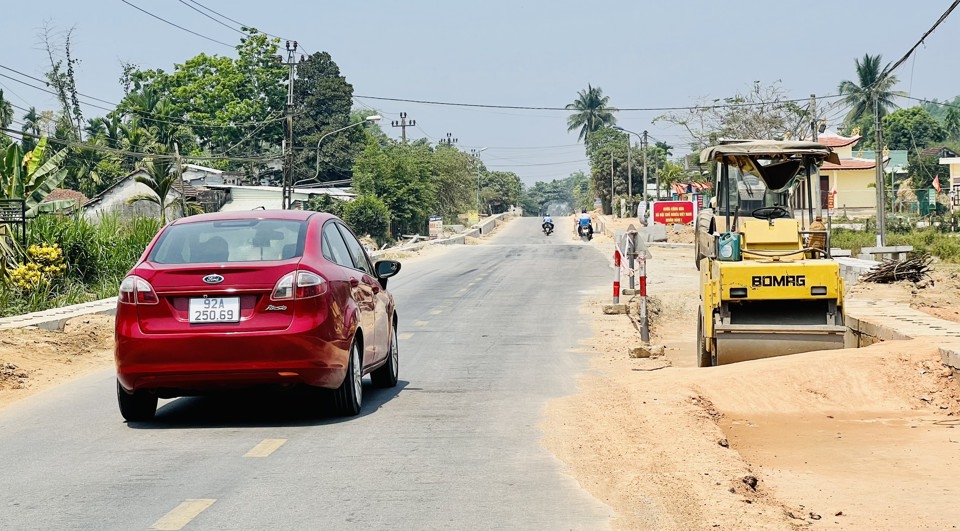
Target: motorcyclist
(585,226)
(547,220)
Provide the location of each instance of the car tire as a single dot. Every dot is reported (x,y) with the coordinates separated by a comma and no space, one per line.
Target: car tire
(137,406)
(348,398)
(387,374)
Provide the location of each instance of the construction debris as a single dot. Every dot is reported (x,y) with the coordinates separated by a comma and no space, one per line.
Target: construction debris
(914,269)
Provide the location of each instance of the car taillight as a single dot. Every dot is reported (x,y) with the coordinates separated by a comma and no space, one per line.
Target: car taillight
(299,285)
(135,290)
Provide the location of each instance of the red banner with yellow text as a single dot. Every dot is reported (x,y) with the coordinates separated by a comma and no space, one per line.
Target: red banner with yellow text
(670,212)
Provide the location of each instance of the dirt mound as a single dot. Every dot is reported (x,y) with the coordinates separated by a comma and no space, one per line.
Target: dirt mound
(32,360)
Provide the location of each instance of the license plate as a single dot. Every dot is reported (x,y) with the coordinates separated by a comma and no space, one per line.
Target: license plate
(215,310)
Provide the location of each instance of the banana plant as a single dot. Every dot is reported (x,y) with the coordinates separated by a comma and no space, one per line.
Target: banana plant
(30,178)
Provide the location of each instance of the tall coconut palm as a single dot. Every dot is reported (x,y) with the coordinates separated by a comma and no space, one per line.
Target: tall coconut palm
(31,126)
(592,112)
(6,111)
(869,90)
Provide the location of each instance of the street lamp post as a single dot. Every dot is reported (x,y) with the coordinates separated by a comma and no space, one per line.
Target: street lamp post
(288,192)
(476,153)
(630,163)
(372,118)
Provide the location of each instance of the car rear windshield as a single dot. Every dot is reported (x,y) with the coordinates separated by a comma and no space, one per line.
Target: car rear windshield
(240,240)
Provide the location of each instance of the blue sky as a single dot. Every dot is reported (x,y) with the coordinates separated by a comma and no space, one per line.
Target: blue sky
(642,54)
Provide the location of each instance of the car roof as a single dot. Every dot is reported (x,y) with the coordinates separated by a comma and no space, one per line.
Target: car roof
(291,215)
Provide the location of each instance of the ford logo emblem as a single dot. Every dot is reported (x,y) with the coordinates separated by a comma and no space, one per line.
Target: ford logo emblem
(213,279)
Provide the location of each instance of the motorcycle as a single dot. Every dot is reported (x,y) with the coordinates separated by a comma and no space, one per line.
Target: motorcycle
(547,228)
(585,232)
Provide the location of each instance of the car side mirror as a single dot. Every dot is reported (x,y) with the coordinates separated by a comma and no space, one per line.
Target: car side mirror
(386,269)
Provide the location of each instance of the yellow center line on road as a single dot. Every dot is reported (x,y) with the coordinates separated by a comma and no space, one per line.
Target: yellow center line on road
(405,336)
(265,448)
(421,323)
(437,311)
(461,292)
(182,514)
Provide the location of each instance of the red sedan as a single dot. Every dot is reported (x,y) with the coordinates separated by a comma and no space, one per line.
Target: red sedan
(237,299)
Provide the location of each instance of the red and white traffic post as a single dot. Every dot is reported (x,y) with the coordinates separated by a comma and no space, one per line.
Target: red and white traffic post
(644,326)
(616,274)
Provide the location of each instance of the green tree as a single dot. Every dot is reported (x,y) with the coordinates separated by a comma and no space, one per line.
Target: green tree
(869,93)
(401,175)
(912,129)
(499,190)
(951,123)
(592,112)
(323,101)
(605,148)
(455,175)
(325,203)
(367,214)
(233,105)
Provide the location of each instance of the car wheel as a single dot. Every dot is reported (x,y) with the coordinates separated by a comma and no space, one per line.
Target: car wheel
(386,375)
(137,406)
(349,396)
(704,358)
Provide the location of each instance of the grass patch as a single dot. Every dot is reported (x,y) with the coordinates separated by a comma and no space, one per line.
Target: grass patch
(97,254)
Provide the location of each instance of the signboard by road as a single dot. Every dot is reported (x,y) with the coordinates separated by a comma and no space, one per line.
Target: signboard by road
(670,212)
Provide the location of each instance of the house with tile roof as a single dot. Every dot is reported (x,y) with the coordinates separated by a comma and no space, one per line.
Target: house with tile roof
(853,179)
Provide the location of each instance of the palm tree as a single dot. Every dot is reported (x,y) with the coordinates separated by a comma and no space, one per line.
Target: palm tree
(160,179)
(591,113)
(6,111)
(31,125)
(869,91)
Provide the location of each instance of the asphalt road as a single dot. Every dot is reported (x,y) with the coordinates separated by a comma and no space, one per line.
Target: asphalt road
(487,336)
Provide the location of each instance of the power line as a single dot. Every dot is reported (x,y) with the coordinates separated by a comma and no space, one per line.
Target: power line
(45,82)
(177,25)
(889,70)
(52,92)
(241,24)
(222,23)
(612,109)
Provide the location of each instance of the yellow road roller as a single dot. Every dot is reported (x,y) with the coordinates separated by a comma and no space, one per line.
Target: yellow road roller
(768,285)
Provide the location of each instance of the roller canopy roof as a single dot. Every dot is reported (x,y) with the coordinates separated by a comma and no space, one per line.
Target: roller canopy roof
(769,148)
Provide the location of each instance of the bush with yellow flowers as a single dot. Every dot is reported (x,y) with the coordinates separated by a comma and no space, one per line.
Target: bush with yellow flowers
(45,264)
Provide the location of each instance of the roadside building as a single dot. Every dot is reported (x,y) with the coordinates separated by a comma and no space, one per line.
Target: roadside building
(853,179)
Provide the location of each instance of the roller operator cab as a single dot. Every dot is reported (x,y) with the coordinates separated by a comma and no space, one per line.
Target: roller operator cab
(768,285)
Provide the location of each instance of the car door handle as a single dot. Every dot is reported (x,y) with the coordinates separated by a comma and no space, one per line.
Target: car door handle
(354,282)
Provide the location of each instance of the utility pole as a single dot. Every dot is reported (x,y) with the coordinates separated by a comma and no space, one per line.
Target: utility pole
(183,194)
(817,199)
(403,124)
(878,148)
(643,146)
(449,141)
(288,143)
(612,191)
(629,171)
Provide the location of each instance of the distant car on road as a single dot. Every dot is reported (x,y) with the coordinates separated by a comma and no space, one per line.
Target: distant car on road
(242,299)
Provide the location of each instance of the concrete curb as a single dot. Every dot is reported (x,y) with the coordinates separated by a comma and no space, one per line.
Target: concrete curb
(55,319)
(872,321)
